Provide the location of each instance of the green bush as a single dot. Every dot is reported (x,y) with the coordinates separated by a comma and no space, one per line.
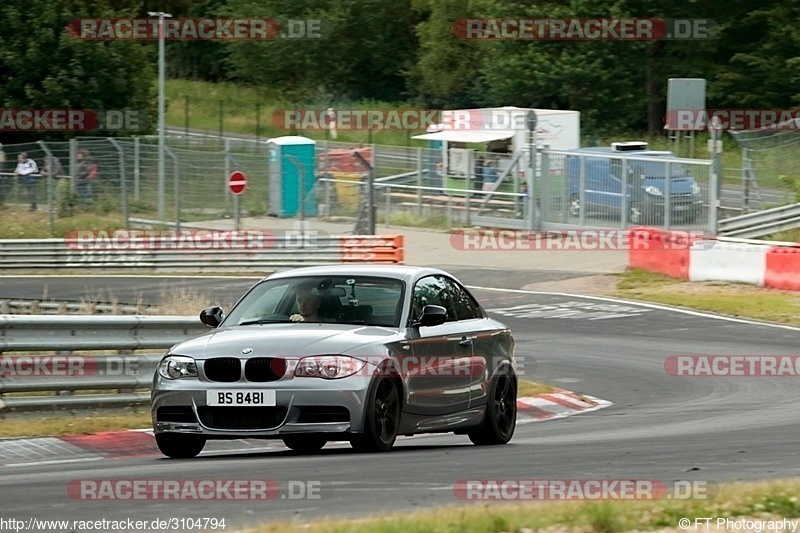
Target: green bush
(66,199)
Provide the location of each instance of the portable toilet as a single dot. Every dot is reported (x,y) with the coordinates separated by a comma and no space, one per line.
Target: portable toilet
(291,176)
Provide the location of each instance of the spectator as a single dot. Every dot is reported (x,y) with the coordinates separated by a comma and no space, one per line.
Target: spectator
(86,170)
(52,167)
(29,171)
(489,175)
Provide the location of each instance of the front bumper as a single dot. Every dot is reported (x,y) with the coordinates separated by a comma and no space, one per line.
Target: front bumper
(318,406)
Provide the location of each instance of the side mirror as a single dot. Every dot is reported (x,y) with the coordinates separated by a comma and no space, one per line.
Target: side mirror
(212,317)
(432,315)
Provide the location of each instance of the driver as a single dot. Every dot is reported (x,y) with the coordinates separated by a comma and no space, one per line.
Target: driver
(307,306)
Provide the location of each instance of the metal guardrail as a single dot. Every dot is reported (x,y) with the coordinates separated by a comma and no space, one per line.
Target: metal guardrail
(761,223)
(33,372)
(51,307)
(200,252)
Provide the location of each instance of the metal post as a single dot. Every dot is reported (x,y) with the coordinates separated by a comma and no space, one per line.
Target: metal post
(237,213)
(470,170)
(715,187)
(137,168)
(542,204)
(328,184)
(221,119)
(186,118)
(745,179)
(176,176)
(122,183)
(668,195)
(226,169)
(161,180)
(371,185)
(51,204)
(73,167)
(582,192)
(419,181)
(625,202)
(531,183)
(258,122)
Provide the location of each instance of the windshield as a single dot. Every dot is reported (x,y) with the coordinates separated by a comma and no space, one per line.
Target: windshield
(341,299)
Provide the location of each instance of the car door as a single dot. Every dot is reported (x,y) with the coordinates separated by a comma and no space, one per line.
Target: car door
(437,373)
(489,343)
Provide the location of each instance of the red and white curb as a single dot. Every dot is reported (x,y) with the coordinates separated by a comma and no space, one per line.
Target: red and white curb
(557,404)
(140,442)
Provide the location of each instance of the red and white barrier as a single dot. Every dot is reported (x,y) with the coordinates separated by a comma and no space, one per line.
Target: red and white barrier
(698,258)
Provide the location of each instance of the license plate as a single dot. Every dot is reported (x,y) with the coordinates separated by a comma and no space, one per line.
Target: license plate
(682,208)
(254,398)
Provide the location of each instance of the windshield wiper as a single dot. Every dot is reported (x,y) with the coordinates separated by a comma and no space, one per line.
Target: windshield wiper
(265,321)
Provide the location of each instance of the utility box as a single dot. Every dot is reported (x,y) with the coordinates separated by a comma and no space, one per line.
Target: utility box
(292,179)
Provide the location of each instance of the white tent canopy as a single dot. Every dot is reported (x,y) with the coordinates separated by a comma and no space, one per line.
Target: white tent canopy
(467,136)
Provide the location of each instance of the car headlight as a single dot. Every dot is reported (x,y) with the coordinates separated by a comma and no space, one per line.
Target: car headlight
(696,189)
(652,189)
(328,366)
(177,366)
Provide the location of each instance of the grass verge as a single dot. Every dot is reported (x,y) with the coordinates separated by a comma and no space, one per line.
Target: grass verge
(756,501)
(733,299)
(19,223)
(63,425)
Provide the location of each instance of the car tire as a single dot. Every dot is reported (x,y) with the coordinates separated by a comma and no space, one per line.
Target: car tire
(382,419)
(180,446)
(500,418)
(304,443)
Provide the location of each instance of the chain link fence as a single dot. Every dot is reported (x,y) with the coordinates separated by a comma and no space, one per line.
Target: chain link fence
(413,186)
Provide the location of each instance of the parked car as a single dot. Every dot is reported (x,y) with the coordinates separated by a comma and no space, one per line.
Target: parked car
(646,184)
(358,353)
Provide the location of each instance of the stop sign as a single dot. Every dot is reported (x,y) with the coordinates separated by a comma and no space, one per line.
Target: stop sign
(237,182)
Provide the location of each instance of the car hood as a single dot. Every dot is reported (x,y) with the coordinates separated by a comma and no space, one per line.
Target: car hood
(284,340)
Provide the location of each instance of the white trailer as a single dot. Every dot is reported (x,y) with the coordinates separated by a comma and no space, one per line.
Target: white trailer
(502,130)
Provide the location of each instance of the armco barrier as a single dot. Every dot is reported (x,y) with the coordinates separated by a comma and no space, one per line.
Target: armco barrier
(238,253)
(764,263)
(119,378)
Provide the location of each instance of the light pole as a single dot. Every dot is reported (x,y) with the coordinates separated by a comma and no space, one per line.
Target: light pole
(161,180)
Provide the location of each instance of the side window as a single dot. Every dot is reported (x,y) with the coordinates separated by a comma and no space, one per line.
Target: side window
(465,306)
(431,290)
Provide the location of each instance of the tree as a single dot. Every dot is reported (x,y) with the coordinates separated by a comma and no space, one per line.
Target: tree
(44,67)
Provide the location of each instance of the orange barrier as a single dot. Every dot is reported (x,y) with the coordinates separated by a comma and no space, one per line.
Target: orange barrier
(386,249)
(344,160)
(783,268)
(661,251)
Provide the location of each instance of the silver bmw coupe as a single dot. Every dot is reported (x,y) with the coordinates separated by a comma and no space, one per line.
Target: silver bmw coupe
(355,353)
